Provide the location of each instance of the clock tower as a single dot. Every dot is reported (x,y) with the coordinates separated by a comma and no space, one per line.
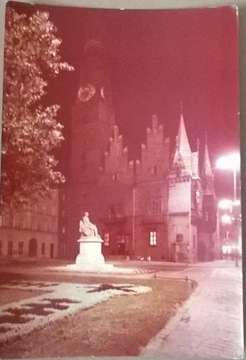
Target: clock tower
(92,122)
(92,114)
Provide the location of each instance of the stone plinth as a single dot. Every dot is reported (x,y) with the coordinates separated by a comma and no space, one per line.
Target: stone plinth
(90,257)
(90,253)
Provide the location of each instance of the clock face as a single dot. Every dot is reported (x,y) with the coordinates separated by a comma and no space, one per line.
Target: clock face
(106,95)
(86,92)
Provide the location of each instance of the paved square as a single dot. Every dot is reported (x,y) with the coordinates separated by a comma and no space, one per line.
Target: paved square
(210,323)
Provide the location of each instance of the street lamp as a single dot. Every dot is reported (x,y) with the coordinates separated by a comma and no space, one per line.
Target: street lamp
(230,162)
(225,204)
(226,219)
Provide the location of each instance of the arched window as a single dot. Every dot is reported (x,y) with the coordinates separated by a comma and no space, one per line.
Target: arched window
(33,247)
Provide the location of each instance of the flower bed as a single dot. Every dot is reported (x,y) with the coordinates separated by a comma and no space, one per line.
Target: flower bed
(59,300)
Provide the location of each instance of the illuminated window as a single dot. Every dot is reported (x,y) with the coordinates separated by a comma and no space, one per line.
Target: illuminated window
(152,238)
(106,239)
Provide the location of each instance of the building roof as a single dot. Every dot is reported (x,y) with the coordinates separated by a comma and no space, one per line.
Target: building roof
(207,168)
(184,145)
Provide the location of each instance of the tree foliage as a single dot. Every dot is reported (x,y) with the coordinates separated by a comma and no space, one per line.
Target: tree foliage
(30,130)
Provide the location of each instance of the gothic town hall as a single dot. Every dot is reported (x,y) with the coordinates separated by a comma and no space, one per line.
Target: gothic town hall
(160,207)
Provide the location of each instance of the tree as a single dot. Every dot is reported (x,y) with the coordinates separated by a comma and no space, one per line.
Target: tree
(30,130)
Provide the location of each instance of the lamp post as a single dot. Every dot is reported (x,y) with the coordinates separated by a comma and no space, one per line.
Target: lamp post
(224,207)
(232,162)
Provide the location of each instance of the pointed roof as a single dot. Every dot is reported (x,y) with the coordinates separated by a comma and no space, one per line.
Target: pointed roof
(195,165)
(178,161)
(207,168)
(184,145)
(207,173)
(195,161)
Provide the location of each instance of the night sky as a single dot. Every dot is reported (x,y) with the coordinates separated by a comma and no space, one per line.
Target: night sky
(160,58)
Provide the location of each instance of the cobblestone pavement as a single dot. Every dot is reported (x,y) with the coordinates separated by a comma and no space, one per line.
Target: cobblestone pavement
(209,324)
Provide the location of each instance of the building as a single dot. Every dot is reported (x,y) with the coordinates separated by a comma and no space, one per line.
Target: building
(134,197)
(31,232)
(208,247)
(157,207)
(184,203)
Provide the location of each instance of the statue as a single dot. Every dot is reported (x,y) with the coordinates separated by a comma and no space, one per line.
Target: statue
(90,257)
(86,227)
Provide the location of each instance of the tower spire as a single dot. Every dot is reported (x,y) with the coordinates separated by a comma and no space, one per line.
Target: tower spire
(198,145)
(183,143)
(177,142)
(208,172)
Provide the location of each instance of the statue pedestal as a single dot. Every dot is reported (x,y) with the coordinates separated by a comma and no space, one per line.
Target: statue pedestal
(90,255)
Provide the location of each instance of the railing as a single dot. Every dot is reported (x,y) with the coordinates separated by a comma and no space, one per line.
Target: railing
(193,283)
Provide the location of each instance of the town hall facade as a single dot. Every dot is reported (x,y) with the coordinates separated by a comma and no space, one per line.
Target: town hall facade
(161,207)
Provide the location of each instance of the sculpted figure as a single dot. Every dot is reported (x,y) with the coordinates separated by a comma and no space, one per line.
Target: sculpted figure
(86,227)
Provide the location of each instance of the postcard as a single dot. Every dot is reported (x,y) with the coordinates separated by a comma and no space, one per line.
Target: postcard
(120,225)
